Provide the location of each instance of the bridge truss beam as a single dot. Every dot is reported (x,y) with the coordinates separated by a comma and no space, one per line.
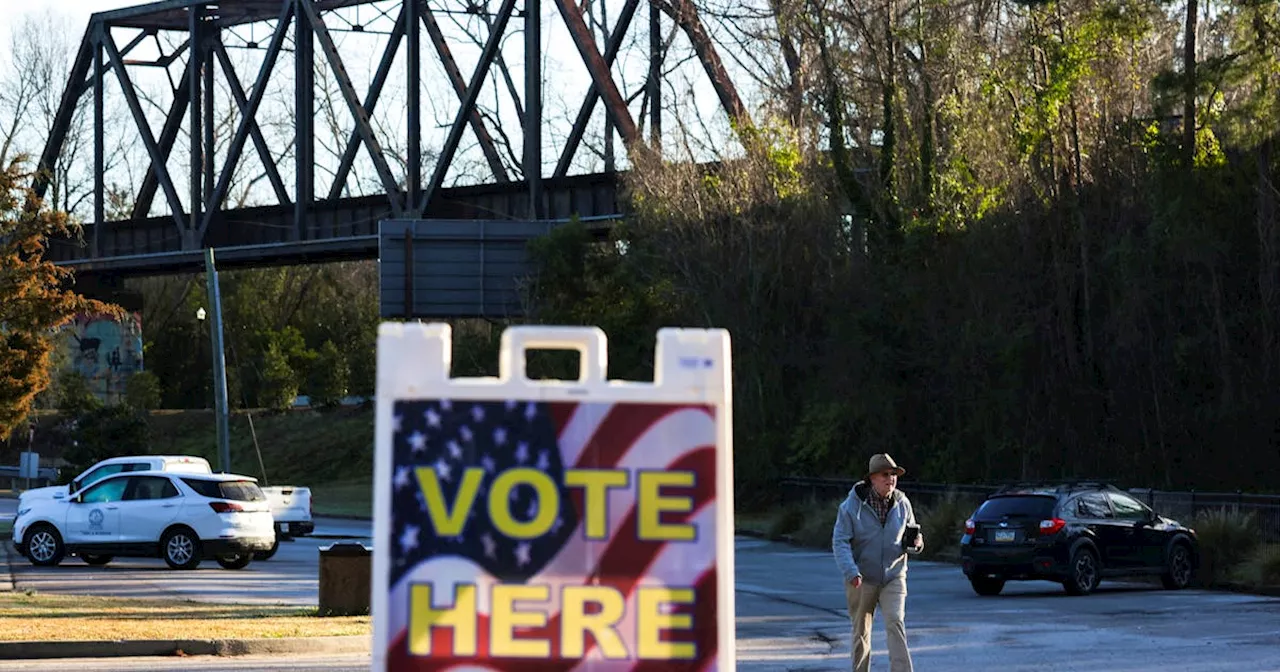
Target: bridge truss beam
(307,28)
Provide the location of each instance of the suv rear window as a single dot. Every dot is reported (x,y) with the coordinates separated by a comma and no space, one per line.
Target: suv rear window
(1026,506)
(242,491)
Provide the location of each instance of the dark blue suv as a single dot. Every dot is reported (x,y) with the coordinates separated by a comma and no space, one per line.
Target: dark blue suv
(1073,533)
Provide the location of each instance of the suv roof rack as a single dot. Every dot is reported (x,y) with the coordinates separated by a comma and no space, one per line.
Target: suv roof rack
(1054,485)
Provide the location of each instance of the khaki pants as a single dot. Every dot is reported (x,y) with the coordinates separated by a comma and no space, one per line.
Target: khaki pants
(892,600)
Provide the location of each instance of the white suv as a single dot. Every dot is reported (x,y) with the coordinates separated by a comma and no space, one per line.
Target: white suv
(183,518)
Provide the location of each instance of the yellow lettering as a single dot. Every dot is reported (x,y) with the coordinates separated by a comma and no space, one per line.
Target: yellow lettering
(505,619)
(652,504)
(651,620)
(449,523)
(575,622)
(596,483)
(500,503)
(460,618)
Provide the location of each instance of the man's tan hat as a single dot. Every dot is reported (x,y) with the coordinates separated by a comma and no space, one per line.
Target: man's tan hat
(882,462)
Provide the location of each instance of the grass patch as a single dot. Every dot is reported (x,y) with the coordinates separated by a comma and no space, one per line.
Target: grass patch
(818,521)
(942,524)
(807,523)
(1227,537)
(343,498)
(1260,568)
(751,522)
(299,447)
(26,616)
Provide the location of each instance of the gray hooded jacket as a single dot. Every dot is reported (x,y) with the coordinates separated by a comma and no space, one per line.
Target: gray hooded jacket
(862,545)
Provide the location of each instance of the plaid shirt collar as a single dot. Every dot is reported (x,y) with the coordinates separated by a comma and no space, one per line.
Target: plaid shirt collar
(880,505)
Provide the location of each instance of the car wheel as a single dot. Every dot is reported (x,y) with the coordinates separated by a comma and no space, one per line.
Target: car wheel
(43,546)
(269,553)
(235,561)
(987,585)
(95,559)
(1178,568)
(1084,573)
(180,548)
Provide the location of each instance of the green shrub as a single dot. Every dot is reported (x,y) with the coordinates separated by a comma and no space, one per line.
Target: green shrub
(1261,567)
(143,391)
(819,521)
(942,524)
(1226,537)
(788,519)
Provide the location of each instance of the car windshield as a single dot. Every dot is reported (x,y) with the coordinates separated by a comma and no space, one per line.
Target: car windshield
(243,491)
(1025,506)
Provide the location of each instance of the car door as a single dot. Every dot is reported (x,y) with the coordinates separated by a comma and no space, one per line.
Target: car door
(93,517)
(150,503)
(1145,543)
(1094,510)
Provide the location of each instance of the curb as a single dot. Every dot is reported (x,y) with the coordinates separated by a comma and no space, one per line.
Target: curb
(341,516)
(185,647)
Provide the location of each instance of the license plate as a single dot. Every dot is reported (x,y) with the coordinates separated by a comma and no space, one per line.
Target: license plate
(1004,535)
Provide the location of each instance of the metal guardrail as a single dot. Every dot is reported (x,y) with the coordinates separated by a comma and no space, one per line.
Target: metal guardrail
(11,478)
(1182,506)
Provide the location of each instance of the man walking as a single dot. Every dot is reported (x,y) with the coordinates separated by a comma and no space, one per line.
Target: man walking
(870,550)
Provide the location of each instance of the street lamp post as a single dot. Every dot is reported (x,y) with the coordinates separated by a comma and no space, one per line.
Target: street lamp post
(219,362)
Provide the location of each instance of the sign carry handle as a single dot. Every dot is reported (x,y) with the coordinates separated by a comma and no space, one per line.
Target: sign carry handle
(590,342)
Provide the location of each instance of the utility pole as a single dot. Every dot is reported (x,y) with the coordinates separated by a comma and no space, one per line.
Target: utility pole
(219,363)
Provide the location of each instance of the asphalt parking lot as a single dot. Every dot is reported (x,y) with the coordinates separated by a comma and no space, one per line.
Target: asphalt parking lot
(290,577)
(790,615)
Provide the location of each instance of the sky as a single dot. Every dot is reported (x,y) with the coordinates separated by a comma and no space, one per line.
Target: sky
(77,13)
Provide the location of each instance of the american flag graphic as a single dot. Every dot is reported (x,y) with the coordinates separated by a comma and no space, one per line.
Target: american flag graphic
(450,436)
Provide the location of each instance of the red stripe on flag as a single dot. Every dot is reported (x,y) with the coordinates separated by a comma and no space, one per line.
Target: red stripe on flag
(561,414)
(621,428)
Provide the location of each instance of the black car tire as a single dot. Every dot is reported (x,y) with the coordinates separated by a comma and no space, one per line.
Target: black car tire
(94,559)
(1178,567)
(267,554)
(1083,574)
(987,585)
(235,561)
(180,548)
(43,545)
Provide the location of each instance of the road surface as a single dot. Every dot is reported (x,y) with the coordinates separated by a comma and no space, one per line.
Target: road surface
(790,616)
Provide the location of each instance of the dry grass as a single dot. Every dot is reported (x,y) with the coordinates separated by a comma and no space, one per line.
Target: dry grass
(1261,567)
(1227,538)
(37,617)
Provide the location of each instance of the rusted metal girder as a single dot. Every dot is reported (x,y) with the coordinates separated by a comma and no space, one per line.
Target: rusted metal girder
(686,16)
(487,145)
(600,75)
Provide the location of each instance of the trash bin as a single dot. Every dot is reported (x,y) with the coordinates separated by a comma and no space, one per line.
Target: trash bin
(344,579)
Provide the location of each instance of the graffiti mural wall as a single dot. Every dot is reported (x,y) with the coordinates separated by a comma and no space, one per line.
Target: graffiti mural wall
(105,352)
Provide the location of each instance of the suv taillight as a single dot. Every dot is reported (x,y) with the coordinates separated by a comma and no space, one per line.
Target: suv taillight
(1051,526)
(969,527)
(225,507)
